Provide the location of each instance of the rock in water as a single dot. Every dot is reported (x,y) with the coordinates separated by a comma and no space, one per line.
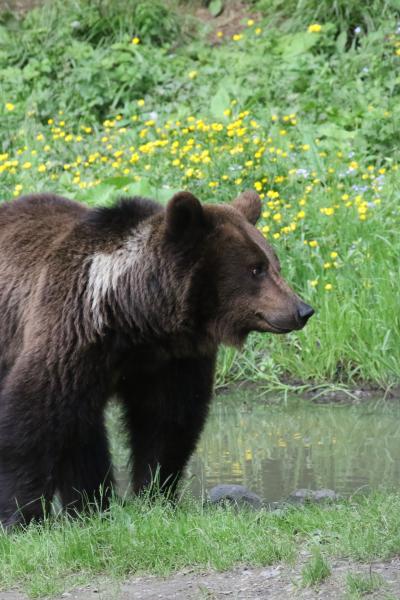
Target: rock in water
(304,495)
(238,495)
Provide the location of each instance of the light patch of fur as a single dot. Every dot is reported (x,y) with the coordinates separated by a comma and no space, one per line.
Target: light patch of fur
(105,271)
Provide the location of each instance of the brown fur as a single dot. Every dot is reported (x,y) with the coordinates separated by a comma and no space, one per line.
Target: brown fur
(132,301)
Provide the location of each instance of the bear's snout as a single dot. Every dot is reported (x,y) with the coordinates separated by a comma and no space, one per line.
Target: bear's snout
(304,312)
(283,320)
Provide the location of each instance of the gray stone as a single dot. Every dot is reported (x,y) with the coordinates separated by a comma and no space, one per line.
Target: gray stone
(325,494)
(305,495)
(238,495)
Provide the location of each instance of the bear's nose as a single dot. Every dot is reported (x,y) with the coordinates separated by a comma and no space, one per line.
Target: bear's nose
(305,311)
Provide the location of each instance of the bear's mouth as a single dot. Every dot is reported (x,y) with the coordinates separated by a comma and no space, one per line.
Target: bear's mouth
(267,326)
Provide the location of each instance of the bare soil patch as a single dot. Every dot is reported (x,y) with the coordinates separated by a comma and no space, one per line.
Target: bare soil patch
(232,19)
(278,582)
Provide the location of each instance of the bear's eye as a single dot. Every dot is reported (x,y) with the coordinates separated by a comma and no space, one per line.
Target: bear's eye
(258,270)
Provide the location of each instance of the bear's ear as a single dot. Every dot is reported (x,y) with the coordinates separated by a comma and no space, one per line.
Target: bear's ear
(184,216)
(249,204)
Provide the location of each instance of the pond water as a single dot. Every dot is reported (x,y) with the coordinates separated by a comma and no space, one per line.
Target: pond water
(275,449)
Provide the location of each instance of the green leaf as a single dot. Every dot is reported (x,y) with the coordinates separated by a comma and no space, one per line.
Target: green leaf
(118,182)
(101,195)
(219,103)
(292,44)
(330,130)
(215,7)
(341,41)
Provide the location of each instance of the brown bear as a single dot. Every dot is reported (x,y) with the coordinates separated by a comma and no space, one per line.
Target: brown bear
(130,301)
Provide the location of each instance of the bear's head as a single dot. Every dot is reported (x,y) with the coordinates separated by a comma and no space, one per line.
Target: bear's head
(235,281)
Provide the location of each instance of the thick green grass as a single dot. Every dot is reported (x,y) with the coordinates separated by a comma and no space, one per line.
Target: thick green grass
(157,538)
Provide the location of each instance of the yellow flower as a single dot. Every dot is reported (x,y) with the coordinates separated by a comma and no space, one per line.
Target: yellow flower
(140,102)
(334,254)
(41,168)
(398,52)
(327,265)
(313,243)
(27,165)
(329,211)
(237,37)
(314,282)
(135,41)
(258,30)
(220,34)
(258,186)
(328,287)
(250,22)
(10,106)
(314,28)
(192,74)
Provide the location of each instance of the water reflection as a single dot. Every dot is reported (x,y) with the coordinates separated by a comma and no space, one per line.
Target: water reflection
(276,449)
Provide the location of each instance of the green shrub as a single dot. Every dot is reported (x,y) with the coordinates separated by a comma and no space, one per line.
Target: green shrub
(345,14)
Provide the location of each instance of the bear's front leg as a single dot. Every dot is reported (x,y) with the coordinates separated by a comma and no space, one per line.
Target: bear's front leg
(84,472)
(165,414)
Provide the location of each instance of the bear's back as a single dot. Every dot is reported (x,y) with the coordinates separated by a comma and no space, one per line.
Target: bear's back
(29,228)
(35,222)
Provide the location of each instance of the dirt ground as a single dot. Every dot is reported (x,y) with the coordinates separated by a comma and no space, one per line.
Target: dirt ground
(279,582)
